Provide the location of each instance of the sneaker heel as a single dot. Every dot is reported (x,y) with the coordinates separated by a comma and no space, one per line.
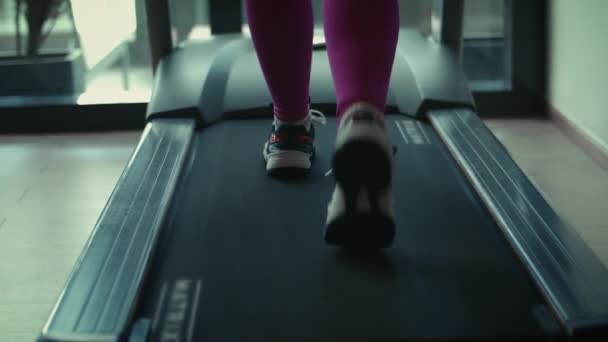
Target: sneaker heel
(362,163)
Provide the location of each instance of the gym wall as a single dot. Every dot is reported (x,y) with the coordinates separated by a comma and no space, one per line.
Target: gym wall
(578,67)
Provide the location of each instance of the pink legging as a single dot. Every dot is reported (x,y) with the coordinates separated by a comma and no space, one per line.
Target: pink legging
(361,36)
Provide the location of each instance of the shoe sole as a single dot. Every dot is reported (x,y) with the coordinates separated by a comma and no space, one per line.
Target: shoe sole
(288,165)
(361,231)
(357,165)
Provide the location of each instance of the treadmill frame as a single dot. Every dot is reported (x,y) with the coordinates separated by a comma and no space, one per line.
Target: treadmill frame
(564,269)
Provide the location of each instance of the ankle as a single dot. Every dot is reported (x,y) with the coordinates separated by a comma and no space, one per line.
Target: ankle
(359,107)
(305,120)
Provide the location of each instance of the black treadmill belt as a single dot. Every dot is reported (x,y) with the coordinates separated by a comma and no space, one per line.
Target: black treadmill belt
(243,258)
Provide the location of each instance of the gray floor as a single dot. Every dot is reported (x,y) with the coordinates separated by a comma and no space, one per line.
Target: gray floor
(53,188)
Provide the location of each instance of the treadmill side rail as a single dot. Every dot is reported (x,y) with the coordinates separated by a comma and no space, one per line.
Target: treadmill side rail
(100,294)
(572,279)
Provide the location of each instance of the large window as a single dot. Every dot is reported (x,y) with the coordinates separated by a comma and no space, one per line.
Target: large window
(486,37)
(78,51)
(190,18)
(97,51)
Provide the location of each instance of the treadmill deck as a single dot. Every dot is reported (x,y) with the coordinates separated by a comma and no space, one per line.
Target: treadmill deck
(242,255)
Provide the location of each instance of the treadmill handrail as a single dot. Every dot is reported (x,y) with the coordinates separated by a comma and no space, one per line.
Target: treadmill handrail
(449,16)
(570,276)
(102,290)
(159,29)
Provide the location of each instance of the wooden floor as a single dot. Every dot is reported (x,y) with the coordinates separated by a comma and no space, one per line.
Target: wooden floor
(53,187)
(570,180)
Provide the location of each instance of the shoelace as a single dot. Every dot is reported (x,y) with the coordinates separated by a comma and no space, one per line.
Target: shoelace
(318,116)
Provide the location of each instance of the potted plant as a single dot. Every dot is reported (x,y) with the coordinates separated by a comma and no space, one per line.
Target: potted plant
(32,70)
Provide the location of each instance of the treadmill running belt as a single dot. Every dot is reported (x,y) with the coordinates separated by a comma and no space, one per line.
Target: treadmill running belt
(242,255)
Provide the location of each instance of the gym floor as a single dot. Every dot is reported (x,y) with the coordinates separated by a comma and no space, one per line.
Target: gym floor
(53,188)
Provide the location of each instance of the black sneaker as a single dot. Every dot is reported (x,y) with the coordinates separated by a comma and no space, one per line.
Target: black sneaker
(289,150)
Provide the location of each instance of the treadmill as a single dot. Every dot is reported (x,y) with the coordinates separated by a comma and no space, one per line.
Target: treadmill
(197,243)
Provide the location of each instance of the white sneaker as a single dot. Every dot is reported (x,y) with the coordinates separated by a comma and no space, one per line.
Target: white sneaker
(290,148)
(360,214)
